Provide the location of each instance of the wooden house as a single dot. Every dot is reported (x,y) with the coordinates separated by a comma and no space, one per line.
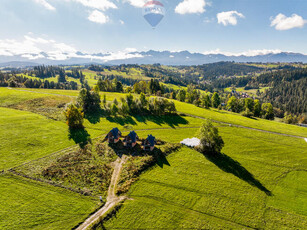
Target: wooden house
(131,139)
(114,135)
(149,143)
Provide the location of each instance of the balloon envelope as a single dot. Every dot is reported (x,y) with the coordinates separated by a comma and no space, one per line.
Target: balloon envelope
(153,12)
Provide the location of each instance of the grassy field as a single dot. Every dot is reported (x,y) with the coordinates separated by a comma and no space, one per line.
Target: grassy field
(233,118)
(259,181)
(26,136)
(218,115)
(31,205)
(252,92)
(250,186)
(92,77)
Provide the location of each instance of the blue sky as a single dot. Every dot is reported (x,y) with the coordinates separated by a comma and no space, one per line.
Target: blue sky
(214,26)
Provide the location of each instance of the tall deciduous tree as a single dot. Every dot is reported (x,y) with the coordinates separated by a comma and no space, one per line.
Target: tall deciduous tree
(74,117)
(210,140)
(268,112)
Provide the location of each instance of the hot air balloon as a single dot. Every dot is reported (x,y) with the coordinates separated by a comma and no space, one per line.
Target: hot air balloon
(153,12)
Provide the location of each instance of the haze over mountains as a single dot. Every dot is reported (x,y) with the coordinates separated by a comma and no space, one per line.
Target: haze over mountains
(144,57)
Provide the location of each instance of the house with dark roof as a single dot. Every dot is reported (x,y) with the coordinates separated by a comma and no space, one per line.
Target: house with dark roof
(149,143)
(131,139)
(114,135)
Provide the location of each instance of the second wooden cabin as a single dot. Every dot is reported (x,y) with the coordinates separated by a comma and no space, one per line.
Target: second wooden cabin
(131,139)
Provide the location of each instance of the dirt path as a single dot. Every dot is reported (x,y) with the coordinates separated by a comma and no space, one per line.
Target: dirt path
(112,199)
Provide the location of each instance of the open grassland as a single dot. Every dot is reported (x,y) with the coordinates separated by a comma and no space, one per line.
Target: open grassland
(133,73)
(259,182)
(10,97)
(249,91)
(26,136)
(218,115)
(233,118)
(27,204)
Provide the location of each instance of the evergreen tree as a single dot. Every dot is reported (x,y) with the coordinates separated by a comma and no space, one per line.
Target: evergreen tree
(215,100)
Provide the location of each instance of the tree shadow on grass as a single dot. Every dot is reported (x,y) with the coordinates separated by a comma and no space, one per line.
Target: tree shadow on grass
(94,116)
(128,120)
(171,120)
(229,165)
(160,158)
(79,136)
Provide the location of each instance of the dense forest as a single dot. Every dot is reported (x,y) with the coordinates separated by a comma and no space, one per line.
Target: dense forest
(289,95)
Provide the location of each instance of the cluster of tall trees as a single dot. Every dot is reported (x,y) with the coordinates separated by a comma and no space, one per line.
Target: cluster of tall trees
(47,71)
(12,80)
(139,106)
(89,102)
(110,85)
(250,108)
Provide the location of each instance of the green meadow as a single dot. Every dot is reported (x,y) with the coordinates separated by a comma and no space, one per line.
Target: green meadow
(259,182)
(27,204)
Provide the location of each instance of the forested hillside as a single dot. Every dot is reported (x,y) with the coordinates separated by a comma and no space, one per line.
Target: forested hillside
(289,95)
(282,85)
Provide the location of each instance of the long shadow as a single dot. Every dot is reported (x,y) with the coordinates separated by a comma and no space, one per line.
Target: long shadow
(160,158)
(128,120)
(229,165)
(94,116)
(171,120)
(79,136)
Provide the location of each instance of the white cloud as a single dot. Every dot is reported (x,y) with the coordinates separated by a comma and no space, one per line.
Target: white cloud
(191,7)
(32,48)
(229,17)
(281,22)
(136,3)
(98,17)
(249,53)
(44,3)
(121,22)
(97,4)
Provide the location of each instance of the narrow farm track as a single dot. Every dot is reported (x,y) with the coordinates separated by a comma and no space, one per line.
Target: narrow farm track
(112,199)
(244,127)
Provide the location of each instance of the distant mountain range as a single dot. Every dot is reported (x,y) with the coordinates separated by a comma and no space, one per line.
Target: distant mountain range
(148,57)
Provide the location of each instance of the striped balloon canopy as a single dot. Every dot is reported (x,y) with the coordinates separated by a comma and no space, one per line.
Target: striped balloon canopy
(153,12)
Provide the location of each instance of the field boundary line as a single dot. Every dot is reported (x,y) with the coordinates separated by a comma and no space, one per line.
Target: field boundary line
(52,183)
(245,127)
